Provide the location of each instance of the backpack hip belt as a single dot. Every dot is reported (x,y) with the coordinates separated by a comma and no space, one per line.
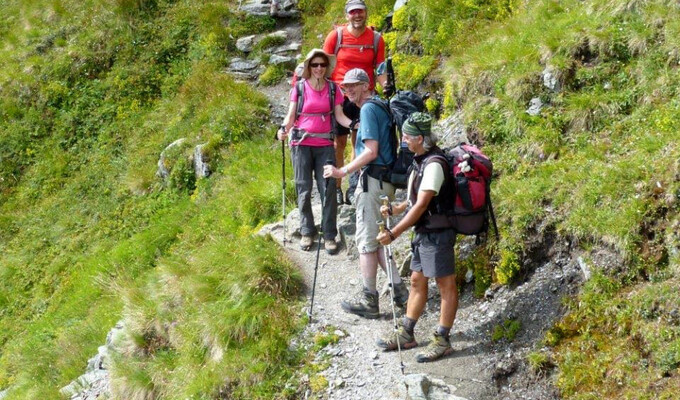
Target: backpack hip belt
(298,135)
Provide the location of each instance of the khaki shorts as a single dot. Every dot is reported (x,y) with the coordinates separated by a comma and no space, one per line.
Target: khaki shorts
(368,213)
(433,253)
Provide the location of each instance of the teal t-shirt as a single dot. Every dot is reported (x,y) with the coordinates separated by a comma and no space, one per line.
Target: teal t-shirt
(375,125)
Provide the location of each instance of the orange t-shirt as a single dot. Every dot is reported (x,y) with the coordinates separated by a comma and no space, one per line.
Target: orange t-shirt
(354,57)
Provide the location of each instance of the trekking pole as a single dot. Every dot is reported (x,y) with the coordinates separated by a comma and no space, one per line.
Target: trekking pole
(388,264)
(318,246)
(283,188)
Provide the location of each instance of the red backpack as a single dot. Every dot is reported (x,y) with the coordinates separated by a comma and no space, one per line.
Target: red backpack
(464,202)
(471,172)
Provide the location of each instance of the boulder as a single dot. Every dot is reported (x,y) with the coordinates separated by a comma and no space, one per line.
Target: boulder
(535,106)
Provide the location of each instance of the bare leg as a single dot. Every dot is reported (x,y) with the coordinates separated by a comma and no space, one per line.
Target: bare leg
(340,144)
(449,293)
(418,296)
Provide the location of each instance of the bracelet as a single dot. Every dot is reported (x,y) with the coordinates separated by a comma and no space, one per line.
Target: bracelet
(389,232)
(344,170)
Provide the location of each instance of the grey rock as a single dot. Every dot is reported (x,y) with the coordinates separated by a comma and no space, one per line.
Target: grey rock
(246,43)
(115,334)
(240,65)
(201,167)
(255,7)
(92,380)
(422,387)
(585,268)
(469,276)
(278,34)
(162,169)
(451,131)
(99,361)
(550,79)
(286,48)
(399,4)
(277,59)
(535,106)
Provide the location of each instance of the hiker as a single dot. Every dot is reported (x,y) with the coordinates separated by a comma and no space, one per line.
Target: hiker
(311,144)
(373,153)
(359,47)
(432,246)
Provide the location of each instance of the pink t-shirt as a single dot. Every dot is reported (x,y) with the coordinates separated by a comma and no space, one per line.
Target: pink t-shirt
(316,101)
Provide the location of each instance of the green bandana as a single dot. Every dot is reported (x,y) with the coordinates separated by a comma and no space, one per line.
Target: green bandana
(417,124)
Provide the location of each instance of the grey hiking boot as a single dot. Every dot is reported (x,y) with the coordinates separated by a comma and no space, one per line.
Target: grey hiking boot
(389,340)
(306,243)
(340,197)
(438,348)
(400,295)
(364,304)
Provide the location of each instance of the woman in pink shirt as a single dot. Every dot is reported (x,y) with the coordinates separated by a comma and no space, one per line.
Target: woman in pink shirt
(311,130)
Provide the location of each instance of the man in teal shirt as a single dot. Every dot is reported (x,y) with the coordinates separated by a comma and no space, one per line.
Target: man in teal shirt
(373,154)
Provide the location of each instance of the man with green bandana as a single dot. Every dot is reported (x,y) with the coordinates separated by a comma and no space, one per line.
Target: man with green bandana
(432,246)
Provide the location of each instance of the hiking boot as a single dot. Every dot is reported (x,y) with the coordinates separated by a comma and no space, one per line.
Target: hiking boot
(400,295)
(438,348)
(341,198)
(331,246)
(389,341)
(364,304)
(306,243)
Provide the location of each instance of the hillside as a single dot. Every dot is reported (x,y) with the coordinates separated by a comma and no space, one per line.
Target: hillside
(576,102)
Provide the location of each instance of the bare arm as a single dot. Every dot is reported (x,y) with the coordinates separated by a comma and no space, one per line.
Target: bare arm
(369,154)
(411,217)
(341,117)
(288,121)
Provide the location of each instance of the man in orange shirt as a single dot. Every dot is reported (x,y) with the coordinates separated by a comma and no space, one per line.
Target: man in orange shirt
(358,47)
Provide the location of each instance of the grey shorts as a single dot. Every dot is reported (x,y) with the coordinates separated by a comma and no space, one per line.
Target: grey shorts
(368,213)
(433,253)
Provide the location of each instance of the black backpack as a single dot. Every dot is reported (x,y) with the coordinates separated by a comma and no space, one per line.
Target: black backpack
(399,108)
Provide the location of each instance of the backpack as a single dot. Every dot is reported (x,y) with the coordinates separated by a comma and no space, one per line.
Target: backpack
(300,89)
(465,199)
(374,46)
(399,107)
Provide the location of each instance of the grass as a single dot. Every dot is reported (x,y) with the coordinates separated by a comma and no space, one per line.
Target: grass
(92,93)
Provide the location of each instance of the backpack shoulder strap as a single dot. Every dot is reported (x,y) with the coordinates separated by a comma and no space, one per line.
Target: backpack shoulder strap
(338,40)
(331,94)
(376,40)
(300,88)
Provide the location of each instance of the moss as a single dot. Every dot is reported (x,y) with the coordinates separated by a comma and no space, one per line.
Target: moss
(273,74)
(507,330)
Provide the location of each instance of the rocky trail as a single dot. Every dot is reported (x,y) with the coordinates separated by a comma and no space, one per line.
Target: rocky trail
(478,369)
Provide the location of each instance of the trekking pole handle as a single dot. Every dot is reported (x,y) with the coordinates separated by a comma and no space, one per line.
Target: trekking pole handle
(385,200)
(381,225)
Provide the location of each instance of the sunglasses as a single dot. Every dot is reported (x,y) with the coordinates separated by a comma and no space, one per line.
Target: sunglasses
(316,65)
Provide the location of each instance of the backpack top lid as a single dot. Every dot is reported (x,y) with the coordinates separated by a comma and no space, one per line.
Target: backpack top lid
(403,104)
(478,161)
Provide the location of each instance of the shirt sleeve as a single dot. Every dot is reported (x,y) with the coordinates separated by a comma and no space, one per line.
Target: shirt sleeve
(369,123)
(293,94)
(433,178)
(329,43)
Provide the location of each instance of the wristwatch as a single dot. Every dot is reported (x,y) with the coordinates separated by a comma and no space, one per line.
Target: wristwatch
(344,170)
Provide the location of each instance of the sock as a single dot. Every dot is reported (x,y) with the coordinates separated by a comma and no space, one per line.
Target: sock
(409,324)
(443,331)
(370,284)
